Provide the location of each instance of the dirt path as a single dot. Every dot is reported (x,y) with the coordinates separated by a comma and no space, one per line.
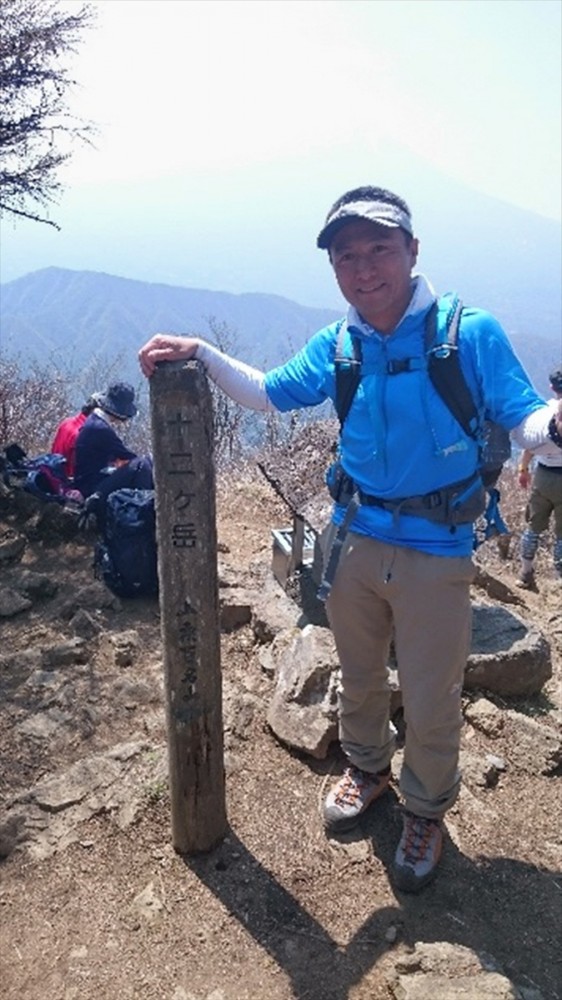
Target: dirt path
(277,911)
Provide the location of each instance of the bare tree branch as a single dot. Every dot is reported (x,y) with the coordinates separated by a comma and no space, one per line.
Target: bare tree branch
(36,130)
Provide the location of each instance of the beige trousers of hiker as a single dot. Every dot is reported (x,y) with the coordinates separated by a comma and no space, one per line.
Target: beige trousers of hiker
(382,592)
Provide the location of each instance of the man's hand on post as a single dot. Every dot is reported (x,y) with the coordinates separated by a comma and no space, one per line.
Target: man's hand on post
(165,347)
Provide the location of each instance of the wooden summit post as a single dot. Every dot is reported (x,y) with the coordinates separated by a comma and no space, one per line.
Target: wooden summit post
(182,436)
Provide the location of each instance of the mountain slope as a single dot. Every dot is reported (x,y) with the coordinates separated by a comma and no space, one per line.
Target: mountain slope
(73,317)
(54,311)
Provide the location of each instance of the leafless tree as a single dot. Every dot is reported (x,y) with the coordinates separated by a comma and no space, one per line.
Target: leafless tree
(36,130)
(32,403)
(229,416)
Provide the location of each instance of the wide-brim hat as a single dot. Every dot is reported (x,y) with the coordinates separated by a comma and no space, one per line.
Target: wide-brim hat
(119,401)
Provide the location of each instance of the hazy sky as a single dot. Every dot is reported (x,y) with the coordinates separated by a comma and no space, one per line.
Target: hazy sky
(221,121)
(474,86)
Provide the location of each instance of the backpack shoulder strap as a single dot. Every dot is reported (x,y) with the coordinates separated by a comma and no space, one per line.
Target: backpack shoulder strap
(348,373)
(443,362)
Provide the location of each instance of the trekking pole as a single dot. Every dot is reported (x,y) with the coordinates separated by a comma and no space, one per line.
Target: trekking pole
(182,437)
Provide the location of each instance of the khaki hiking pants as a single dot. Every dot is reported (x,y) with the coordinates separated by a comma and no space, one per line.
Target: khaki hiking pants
(383,592)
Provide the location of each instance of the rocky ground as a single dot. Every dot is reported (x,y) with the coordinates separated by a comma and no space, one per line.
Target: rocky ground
(94,901)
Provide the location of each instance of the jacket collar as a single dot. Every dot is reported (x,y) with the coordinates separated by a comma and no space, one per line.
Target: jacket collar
(423,296)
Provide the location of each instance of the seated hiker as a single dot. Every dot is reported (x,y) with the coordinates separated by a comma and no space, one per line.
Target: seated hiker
(64,441)
(103,461)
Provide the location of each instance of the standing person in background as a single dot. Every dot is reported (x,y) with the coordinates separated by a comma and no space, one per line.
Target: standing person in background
(545,499)
(103,461)
(64,441)
(405,569)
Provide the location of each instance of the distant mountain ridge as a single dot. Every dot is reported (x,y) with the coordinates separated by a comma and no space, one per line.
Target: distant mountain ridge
(55,310)
(57,313)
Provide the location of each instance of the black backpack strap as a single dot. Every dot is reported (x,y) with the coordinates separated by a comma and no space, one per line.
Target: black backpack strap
(348,374)
(444,369)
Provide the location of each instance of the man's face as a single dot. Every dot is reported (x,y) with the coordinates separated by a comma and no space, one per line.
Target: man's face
(373,266)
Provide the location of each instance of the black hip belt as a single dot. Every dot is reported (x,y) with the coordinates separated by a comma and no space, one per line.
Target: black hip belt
(454,504)
(427,501)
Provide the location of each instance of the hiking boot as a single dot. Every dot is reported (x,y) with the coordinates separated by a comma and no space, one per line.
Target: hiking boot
(418,853)
(351,796)
(526,580)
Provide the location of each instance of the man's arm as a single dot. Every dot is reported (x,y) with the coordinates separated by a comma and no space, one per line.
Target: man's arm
(541,427)
(244,384)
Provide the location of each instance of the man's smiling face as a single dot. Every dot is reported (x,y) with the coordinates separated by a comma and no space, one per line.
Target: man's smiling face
(373,267)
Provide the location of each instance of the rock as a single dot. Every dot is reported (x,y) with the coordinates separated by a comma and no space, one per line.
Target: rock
(303,712)
(495,588)
(274,612)
(353,844)
(497,762)
(44,725)
(51,814)
(147,904)
(238,593)
(482,772)
(33,585)
(431,986)
(93,596)
(132,691)
(12,603)
(508,656)
(17,668)
(444,971)
(12,546)
(54,523)
(267,660)
(239,710)
(485,716)
(534,747)
(64,654)
(235,606)
(85,624)
(12,833)
(120,647)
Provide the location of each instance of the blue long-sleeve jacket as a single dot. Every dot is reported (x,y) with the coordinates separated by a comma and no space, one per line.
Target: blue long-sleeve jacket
(399,438)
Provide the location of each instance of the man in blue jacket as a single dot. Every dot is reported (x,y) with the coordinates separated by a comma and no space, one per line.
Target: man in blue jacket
(404,573)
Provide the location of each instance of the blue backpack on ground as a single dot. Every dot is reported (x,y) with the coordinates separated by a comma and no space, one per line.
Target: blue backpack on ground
(125,556)
(46,477)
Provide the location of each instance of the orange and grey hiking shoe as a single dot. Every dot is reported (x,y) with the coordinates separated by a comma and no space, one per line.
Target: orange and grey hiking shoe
(351,796)
(418,853)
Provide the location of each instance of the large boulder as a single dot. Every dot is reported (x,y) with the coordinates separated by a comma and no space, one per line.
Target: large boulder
(303,710)
(508,655)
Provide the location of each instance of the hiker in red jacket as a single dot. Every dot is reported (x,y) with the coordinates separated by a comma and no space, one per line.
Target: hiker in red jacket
(64,441)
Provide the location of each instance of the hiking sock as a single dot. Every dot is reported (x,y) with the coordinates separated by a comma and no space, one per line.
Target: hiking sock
(529,545)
